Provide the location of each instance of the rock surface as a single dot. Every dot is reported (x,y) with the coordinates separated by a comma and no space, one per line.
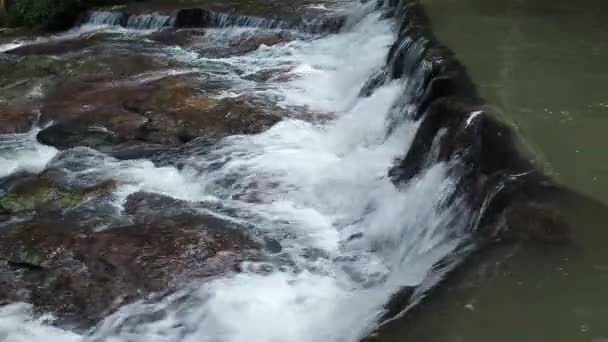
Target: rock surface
(42,193)
(168,111)
(82,275)
(16,120)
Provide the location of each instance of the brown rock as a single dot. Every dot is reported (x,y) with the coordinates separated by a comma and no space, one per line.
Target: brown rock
(96,105)
(82,275)
(16,120)
(42,193)
(252,43)
(188,115)
(168,111)
(180,37)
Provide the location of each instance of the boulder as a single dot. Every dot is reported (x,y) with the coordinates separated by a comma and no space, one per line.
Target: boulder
(183,37)
(168,111)
(66,135)
(82,275)
(16,120)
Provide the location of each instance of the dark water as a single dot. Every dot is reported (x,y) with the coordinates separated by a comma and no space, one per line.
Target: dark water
(544,64)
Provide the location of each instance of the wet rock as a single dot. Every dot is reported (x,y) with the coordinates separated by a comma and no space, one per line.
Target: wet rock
(246,42)
(82,275)
(16,120)
(28,68)
(208,117)
(182,37)
(100,64)
(79,106)
(177,113)
(56,47)
(138,150)
(272,75)
(168,111)
(42,193)
(146,207)
(193,17)
(66,135)
(253,42)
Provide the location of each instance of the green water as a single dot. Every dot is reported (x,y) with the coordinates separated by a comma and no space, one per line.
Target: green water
(544,64)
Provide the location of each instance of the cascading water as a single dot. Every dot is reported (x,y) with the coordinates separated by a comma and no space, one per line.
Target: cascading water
(350,237)
(148,21)
(105,18)
(223,20)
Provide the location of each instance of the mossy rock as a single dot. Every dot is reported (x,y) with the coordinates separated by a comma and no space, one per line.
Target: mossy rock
(40,193)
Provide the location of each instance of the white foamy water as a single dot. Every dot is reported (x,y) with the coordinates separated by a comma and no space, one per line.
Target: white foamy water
(21,152)
(323,191)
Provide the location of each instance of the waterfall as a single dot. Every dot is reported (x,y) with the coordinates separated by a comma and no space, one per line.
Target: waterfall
(151,21)
(105,18)
(147,21)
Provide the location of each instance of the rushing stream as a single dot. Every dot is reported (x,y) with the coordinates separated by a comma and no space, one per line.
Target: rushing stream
(350,238)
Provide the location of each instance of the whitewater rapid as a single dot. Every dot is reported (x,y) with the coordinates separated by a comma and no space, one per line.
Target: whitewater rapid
(321,189)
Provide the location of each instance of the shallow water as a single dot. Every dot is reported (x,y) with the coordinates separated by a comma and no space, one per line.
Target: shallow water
(543,64)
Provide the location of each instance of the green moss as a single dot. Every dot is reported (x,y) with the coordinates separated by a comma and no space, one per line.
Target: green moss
(50,197)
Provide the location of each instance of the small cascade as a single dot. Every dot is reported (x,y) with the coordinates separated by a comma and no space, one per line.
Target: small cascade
(197,17)
(147,21)
(222,20)
(106,18)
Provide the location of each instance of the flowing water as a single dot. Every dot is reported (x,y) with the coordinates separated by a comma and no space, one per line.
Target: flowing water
(313,186)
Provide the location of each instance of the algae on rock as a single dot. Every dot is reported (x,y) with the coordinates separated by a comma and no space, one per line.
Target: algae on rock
(45,194)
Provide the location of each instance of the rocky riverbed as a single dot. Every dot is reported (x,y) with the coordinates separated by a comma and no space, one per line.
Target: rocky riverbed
(202,170)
